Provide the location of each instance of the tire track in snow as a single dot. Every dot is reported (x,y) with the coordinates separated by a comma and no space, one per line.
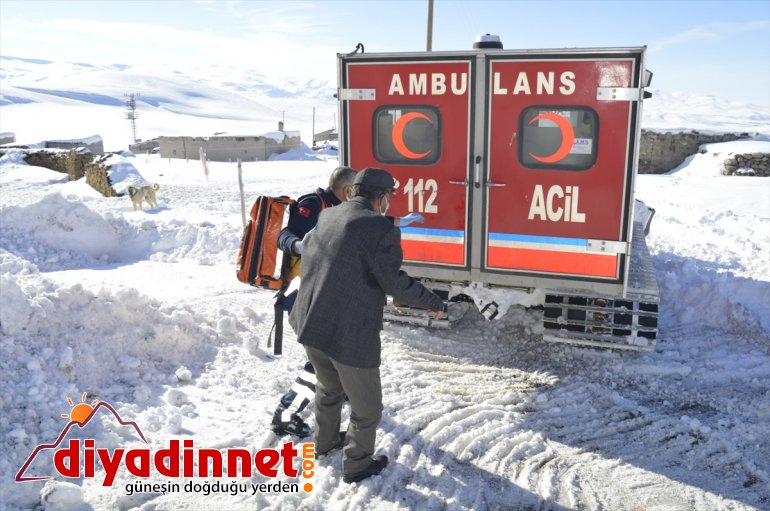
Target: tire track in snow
(441,415)
(550,440)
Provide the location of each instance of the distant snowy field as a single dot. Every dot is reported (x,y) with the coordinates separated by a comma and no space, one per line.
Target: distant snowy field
(43,100)
(142,310)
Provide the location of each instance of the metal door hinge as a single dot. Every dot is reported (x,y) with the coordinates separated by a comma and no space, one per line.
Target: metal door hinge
(607,247)
(357,94)
(617,94)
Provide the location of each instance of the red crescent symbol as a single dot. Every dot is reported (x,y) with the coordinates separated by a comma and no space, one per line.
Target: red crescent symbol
(398,135)
(567,137)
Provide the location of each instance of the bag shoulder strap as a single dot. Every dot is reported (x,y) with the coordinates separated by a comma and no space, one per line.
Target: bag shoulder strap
(321,199)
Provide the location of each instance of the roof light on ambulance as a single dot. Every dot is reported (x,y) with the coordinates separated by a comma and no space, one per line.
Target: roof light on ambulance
(488,42)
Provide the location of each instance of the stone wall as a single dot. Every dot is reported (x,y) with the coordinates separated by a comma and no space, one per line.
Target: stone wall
(98,178)
(67,162)
(75,165)
(661,152)
(752,164)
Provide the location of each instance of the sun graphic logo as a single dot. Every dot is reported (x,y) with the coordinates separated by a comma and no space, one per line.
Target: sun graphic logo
(80,412)
(80,415)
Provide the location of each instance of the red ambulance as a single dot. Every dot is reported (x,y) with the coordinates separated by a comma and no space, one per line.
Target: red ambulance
(522,163)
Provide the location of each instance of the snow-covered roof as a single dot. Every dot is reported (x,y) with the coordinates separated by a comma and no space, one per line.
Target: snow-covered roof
(93,139)
(277,136)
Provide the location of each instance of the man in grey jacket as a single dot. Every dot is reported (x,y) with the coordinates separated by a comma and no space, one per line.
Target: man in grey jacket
(349,265)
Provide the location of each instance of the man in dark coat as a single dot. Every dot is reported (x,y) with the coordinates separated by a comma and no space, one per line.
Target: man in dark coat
(349,264)
(303,216)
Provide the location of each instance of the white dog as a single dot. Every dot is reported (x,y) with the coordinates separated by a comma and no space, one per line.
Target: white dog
(143,193)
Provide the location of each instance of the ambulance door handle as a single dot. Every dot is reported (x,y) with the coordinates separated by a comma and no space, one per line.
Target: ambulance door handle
(476,181)
(464,182)
(490,184)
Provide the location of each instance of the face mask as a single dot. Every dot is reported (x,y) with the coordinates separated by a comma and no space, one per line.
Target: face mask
(387,204)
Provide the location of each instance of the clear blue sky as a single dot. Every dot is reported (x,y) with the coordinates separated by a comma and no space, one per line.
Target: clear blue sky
(720,48)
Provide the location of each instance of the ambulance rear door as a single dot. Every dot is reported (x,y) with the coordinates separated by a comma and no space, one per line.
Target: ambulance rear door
(559,153)
(412,114)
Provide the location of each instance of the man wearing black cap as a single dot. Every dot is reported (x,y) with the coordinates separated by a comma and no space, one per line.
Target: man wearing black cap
(349,265)
(303,217)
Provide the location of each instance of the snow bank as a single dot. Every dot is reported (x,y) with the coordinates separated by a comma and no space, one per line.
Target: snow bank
(721,275)
(123,174)
(304,153)
(13,156)
(724,301)
(62,340)
(59,233)
(709,160)
(56,230)
(293,155)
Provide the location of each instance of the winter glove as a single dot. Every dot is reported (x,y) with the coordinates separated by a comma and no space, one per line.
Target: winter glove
(410,218)
(298,246)
(456,310)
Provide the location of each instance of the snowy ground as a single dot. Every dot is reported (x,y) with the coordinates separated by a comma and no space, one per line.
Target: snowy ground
(142,310)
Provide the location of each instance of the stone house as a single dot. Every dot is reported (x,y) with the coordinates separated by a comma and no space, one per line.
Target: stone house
(227,147)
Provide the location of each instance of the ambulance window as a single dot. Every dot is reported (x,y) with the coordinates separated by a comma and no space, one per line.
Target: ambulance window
(407,135)
(558,138)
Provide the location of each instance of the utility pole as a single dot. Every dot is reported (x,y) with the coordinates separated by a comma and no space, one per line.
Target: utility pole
(429,45)
(312,134)
(243,200)
(283,116)
(132,114)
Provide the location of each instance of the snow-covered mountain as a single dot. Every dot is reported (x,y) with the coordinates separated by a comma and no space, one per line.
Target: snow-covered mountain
(56,100)
(681,111)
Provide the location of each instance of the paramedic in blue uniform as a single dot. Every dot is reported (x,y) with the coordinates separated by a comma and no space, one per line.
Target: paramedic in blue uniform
(303,217)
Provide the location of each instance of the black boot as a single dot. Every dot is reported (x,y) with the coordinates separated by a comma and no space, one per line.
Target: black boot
(296,426)
(375,467)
